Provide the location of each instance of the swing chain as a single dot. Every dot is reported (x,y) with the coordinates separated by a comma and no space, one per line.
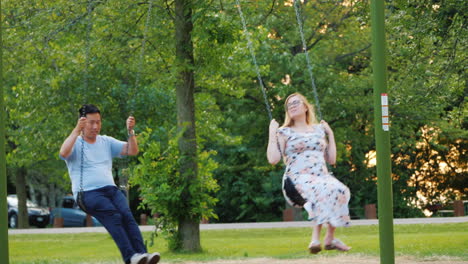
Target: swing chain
(257,69)
(89,10)
(89,25)
(132,93)
(142,54)
(309,65)
(82,161)
(252,53)
(140,66)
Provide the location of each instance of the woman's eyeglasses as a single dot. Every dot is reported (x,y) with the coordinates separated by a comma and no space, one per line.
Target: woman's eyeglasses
(293,104)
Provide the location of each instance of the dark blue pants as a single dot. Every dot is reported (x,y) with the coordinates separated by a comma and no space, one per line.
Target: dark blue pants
(110,207)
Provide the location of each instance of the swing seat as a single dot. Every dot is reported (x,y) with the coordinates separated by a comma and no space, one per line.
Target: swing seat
(292,194)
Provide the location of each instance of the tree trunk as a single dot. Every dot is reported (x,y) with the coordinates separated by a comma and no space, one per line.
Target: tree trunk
(188,227)
(4,249)
(189,231)
(32,193)
(23,218)
(50,196)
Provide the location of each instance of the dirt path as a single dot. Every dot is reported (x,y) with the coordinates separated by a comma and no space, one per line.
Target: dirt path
(349,259)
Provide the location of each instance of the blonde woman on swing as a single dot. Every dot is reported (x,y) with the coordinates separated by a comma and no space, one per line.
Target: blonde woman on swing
(307,146)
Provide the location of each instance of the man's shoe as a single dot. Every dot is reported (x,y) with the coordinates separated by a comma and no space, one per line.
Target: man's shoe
(153,258)
(138,258)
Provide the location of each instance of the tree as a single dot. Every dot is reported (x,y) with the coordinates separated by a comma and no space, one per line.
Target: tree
(185,85)
(175,174)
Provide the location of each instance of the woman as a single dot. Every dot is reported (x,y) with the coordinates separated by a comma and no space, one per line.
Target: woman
(306,182)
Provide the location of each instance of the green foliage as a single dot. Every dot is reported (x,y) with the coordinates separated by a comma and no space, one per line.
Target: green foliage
(45,71)
(162,186)
(428,84)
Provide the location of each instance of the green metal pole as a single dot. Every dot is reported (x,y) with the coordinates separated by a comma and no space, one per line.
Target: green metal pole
(3,179)
(382,136)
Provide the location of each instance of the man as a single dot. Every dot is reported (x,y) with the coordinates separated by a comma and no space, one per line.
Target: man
(88,156)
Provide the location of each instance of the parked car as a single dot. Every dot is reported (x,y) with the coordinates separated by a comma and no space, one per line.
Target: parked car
(38,216)
(72,215)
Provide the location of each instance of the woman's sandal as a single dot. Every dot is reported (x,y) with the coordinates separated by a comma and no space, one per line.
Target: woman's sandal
(338,245)
(315,247)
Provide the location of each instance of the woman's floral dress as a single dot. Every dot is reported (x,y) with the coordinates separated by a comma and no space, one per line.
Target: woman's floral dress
(308,183)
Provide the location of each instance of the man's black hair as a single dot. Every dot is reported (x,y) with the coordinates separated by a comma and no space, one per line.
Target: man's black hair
(88,109)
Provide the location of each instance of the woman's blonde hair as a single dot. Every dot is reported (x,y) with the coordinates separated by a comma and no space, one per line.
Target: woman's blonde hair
(310,113)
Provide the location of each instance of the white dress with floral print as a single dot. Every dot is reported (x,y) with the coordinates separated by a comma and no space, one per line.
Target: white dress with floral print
(308,183)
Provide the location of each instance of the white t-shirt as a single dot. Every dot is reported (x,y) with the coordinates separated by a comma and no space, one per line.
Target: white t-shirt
(97,162)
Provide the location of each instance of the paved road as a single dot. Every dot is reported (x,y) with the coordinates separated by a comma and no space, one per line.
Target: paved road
(399,221)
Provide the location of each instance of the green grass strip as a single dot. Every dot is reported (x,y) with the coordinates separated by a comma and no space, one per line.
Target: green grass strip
(417,240)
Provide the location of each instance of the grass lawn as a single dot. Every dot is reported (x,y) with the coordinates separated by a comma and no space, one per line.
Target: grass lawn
(419,240)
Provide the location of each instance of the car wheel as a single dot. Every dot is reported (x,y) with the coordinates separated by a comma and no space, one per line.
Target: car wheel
(13,221)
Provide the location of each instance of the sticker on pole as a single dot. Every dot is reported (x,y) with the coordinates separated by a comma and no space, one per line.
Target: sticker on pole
(385,119)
